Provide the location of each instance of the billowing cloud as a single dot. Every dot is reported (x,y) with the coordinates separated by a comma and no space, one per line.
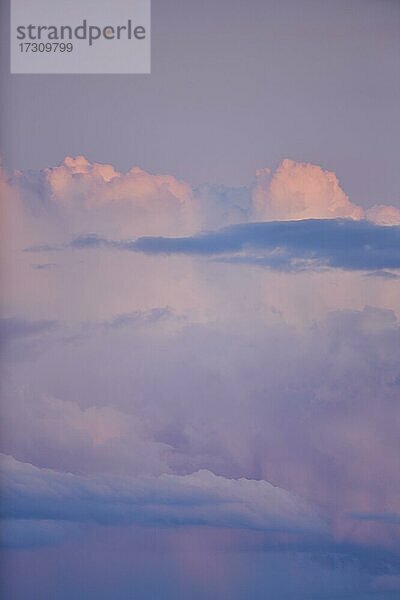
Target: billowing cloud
(175,353)
(200,498)
(79,196)
(301,191)
(33,533)
(99,198)
(384,214)
(305,409)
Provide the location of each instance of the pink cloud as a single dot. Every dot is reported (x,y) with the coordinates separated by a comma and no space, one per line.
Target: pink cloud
(384,215)
(301,191)
(100,198)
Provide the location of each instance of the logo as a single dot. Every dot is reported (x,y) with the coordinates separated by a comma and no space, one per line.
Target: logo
(89,36)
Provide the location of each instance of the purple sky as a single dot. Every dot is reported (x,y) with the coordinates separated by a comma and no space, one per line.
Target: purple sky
(200,314)
(234,86)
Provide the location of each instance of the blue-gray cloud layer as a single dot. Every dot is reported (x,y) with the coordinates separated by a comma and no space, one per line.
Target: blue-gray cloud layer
(283,245)
(201,498)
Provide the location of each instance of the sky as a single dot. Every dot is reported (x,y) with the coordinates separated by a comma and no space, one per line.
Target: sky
(200,312)
(310,80)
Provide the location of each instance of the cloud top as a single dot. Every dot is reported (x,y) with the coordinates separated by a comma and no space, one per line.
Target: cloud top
(100,198)
(301,191)
(81,196)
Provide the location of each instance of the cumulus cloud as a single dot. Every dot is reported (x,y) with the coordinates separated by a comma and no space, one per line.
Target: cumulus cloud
(301,191)
(236,383)
(99,198)
(79,196)
(384,215)
(200,498)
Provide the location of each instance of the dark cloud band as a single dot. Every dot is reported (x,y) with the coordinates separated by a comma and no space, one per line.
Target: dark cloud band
(281,245)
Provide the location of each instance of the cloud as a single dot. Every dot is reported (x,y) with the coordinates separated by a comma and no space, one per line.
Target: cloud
(386,517)
(29,533)
(282,245)
(236,382)
(80,195)
(384,215)
(62,434)
(310,409)
(301,191)
(138,317)
(220,205)
(383,274)
(200,498)
(13,328)
(44,266)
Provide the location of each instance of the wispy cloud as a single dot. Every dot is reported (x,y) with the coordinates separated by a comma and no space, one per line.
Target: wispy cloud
(14,328)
